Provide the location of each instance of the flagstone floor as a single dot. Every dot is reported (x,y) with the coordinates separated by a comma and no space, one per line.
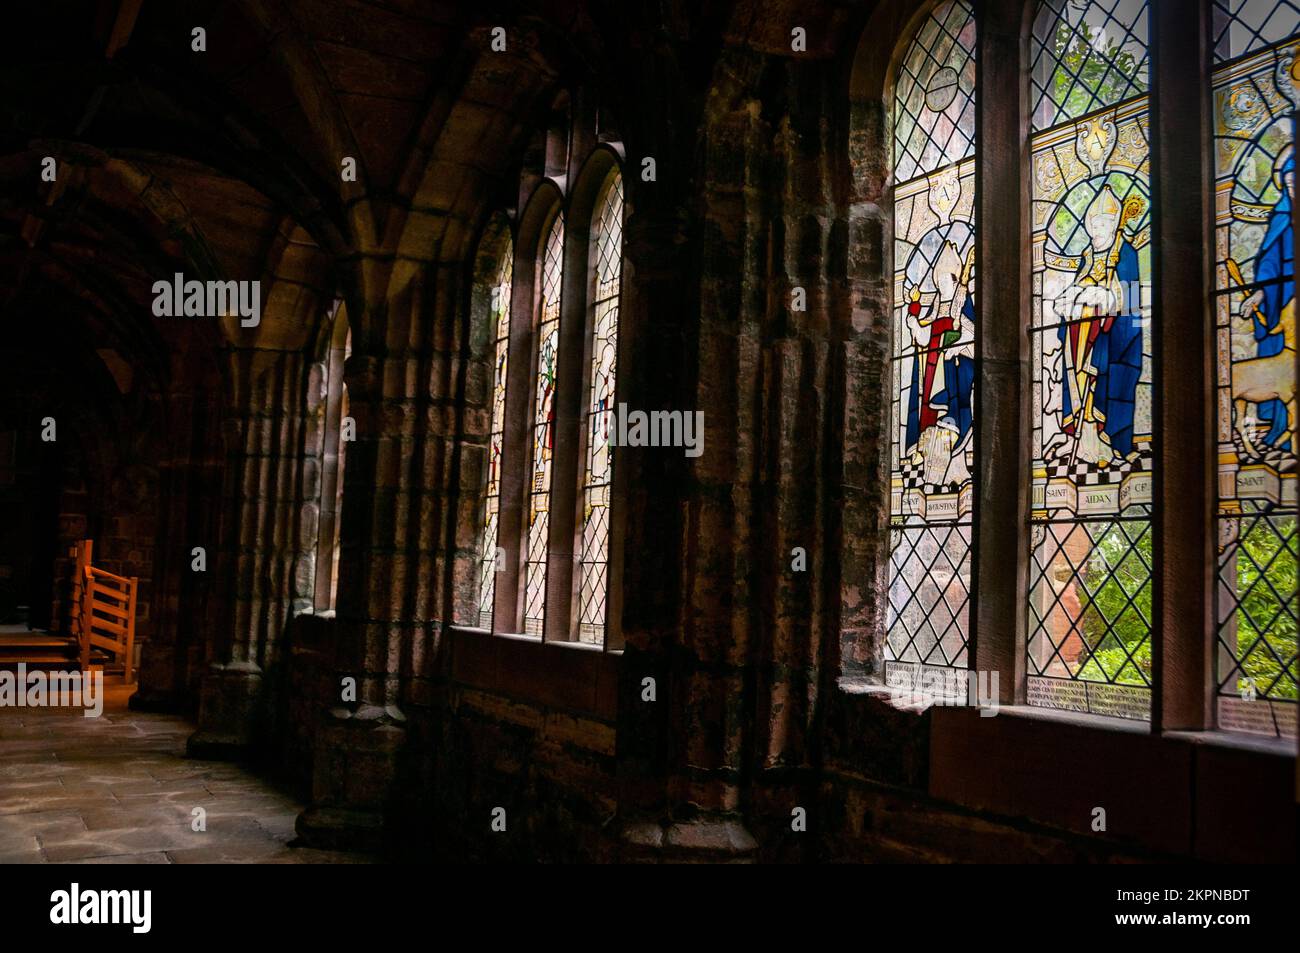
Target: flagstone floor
(118,789)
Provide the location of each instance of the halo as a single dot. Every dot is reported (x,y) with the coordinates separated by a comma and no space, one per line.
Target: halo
(1284,153)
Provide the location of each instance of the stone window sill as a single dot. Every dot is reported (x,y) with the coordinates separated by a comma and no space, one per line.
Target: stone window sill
(535,639)
(572,676)
(476,630)
(1176,793)
(1279,746)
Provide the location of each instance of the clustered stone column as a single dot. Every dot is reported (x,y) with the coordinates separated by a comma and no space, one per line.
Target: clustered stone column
(738,646)
(254,563)
(190,474)
(403,559)
(359,742)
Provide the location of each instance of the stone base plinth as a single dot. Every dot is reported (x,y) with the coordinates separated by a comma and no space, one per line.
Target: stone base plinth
(718,839)
(353,779)
(230,709)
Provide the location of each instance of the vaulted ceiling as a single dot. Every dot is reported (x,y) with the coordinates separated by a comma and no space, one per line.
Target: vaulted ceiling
(226,163)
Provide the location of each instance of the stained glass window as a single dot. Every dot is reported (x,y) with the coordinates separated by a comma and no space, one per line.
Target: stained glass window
(500,322)
(1089,638)
(932,455)
(539,490)
(607,244)
(1254,96)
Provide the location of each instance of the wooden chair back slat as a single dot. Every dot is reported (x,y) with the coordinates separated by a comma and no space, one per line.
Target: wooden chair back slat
(113,597)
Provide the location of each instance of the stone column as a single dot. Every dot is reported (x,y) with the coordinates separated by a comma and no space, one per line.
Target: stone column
(358,743)
(680,756)
(398,567)
(735,643)
(189,501)
(253,563)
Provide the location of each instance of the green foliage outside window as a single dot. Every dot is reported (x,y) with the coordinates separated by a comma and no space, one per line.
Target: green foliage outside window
(1090,72)
(1115,606)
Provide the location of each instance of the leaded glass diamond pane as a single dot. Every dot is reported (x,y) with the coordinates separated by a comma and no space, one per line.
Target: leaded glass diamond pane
(1091,346)
(1257,606)
(934,101)
(539,495)
(1254,95)
(500,310)
(1086,55)
(1245,26)
(607,239)
(932,408)
(929,594)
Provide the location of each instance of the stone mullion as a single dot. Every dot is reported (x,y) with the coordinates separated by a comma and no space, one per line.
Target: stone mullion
(431,563)
(359,494)
(271,511)
(285,497)
(251,463)
(254,514)
(1002,426)
(286,501)
(789,658)
(265,516)
(1184,523)
(825,215)
(473,362)
(516,451)
(447,528)
(567,466)
(784,607)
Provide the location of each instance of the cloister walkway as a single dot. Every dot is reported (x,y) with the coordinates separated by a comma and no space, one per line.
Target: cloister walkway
(118,788)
